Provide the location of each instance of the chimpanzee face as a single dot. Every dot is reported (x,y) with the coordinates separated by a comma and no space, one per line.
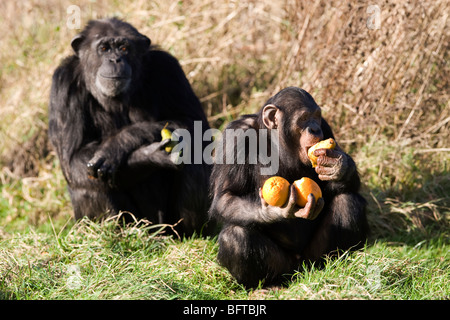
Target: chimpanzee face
(298,119)
(305,129)
(114,73)
(111,57)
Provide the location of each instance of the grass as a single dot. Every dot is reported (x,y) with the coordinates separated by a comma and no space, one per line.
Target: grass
(110,261)
(385,93)
(107,260)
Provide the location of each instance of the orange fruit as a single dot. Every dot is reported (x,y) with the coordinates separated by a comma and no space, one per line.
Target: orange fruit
(304,187)
(324,144)
(275,191)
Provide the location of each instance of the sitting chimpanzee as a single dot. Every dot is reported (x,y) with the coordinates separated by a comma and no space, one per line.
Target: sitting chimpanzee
(263,242)
(108,104)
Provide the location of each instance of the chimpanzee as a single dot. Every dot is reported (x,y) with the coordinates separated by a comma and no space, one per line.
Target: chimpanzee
(108,104)
(261,243)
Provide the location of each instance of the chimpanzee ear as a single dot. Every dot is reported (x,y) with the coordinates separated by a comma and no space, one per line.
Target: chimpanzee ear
(269,114)
(76,43)
(143,43)
(146,41)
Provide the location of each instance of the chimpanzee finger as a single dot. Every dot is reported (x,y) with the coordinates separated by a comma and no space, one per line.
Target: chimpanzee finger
(292,196)
(328,169)
(263,202)
(330,153)
(308,210)
(112,177)
(93,166)
(103,172)
(319,206)
(155,146)
(331,168)
(107,173)
(290,207)
(328,161)
(164,143)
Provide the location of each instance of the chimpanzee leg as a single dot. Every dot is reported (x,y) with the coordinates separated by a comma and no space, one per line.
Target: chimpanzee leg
(343,226)
(250,256)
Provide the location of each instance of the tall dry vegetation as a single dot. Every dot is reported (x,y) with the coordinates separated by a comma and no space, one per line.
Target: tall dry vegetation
(385,91)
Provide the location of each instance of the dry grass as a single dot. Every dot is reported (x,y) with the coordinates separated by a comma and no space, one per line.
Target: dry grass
(385,91)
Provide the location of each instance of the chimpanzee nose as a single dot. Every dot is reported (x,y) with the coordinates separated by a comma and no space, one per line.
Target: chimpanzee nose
(315,130)
(312,130)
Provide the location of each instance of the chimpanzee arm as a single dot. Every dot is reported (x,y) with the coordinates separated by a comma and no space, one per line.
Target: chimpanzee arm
(240,211)
(235,186)
(68,125)
(114,154)
(343,223)
(143,162)
(244,210)
(336,167)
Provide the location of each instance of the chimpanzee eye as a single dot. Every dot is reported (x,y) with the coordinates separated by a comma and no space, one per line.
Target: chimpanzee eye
(317,114)
(304,116)
(103,48)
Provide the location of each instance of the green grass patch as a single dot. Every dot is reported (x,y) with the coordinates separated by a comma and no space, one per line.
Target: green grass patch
(109,260)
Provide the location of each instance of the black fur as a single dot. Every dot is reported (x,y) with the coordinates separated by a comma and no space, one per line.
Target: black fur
(111,131)
(254,247)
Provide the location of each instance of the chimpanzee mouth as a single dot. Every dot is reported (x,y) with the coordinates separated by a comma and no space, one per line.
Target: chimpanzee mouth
(307,148)
(305,154)
(112,86)
(310,145)
(113,77)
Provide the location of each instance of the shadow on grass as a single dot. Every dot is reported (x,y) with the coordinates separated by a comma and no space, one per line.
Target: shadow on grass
(411,213)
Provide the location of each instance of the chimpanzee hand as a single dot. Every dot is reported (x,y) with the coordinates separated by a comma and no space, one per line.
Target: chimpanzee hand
(311,209)
(332,165)
(105,163)
(290,209)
